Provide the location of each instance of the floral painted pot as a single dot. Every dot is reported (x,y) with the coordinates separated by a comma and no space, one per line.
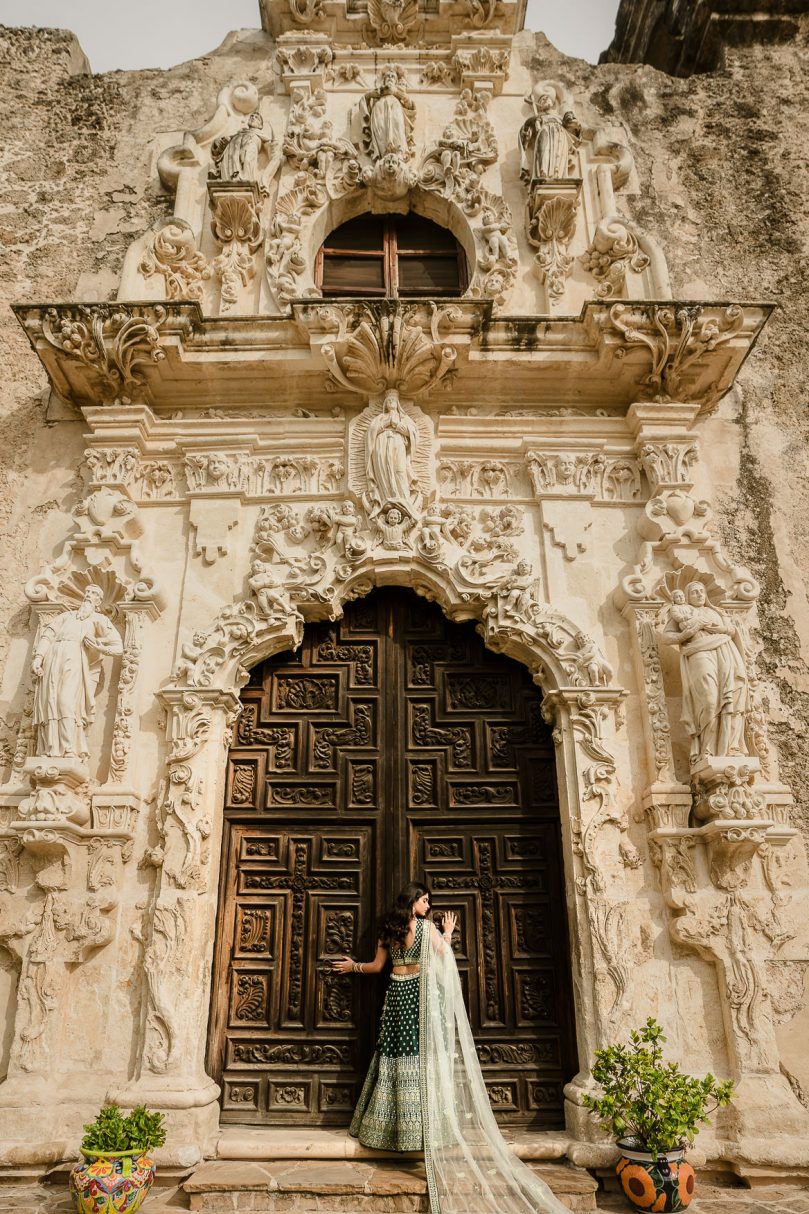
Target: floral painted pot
(111,1183)
(658,1184)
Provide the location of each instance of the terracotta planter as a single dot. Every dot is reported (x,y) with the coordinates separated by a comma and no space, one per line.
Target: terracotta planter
(111,1183)
(658,1184)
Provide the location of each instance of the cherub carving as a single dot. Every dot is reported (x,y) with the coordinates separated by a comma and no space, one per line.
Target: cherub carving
(271,599)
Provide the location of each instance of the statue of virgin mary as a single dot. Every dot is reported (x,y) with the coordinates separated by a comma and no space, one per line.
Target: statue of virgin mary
(390,444)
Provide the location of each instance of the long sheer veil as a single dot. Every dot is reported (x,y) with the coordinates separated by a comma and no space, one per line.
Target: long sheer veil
(470,1169)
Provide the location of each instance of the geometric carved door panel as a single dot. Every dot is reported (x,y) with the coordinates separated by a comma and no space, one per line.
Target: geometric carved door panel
(393,745)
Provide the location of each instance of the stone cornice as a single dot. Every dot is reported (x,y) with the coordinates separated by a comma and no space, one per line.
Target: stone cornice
(169,356)
(364,20)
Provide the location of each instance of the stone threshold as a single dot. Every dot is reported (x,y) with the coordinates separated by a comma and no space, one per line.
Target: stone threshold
(274,1143)
(357,1186)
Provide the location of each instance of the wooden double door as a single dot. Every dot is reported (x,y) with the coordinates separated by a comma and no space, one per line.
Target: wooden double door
(392,746)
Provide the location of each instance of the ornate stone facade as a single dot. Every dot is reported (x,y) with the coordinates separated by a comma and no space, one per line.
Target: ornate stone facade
(531,455)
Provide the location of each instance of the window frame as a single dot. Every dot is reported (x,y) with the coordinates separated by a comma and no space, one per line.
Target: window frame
(389,255)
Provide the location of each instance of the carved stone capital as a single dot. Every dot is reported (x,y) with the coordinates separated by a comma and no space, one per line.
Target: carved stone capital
(724,788)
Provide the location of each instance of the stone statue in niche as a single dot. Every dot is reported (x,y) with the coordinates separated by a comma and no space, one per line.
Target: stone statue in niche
(390,445)
(547,141)
(716,698)
(388,116)
(66,667)
(237,157)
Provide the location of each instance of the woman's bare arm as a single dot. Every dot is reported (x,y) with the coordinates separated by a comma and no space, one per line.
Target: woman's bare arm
(346,965)
(441,941)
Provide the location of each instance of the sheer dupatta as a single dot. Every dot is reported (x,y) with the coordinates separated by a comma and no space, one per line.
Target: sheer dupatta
(470,1169)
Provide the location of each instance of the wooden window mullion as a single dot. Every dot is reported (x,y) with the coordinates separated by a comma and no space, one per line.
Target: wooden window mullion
(392,257)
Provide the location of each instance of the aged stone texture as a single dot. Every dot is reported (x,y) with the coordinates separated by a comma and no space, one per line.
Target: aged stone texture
(608,418)
(685,36)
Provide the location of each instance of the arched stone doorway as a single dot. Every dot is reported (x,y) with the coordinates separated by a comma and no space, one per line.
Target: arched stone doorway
(391,745)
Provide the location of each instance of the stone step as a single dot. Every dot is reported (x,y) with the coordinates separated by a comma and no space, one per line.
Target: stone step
(340,1187)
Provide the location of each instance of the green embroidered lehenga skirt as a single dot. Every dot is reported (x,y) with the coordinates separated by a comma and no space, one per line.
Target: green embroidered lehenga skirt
(388,1112)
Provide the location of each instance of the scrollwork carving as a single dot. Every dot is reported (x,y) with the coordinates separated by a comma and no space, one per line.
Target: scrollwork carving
(117,343)
(677,338)
(172,253)
(613,251)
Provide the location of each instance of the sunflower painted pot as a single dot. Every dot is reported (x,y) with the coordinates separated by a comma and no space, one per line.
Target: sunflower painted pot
(112,1183)
(658,1184)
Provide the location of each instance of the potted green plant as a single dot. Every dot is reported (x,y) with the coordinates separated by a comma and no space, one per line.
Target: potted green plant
(116,1170)
(654,1111)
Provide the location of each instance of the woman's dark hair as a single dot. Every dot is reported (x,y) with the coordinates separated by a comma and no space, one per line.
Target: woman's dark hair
(394,926)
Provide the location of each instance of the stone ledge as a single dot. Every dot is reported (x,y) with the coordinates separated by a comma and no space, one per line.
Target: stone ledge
(226,1187)
(273,1143)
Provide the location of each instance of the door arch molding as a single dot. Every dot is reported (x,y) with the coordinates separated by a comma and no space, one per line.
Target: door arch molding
(201,703)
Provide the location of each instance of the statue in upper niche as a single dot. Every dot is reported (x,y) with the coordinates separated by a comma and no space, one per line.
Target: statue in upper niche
(237,157)
(388,116)
(547,141)
(66,670)
(390,445)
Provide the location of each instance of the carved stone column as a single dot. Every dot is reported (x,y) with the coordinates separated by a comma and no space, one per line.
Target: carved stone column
(596,840)
(177,928)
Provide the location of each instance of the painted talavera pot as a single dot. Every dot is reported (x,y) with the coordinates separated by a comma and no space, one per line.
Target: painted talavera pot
(111,1183)
(658,1184)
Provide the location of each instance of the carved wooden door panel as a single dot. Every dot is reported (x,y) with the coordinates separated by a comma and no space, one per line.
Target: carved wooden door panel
(301,878)
(482,825)
(393,745)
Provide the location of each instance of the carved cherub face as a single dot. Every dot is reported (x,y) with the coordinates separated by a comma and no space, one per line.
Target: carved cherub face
(523,568)
(488,216)
(566,467)
(394,517)
(678,597)
(349,508)
(217,465)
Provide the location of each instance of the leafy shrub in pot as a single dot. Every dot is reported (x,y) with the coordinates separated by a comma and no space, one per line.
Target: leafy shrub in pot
(654,1111)
(116,1171)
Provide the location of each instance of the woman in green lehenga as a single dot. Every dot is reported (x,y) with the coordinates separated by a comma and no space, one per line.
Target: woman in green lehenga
(424,1089)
